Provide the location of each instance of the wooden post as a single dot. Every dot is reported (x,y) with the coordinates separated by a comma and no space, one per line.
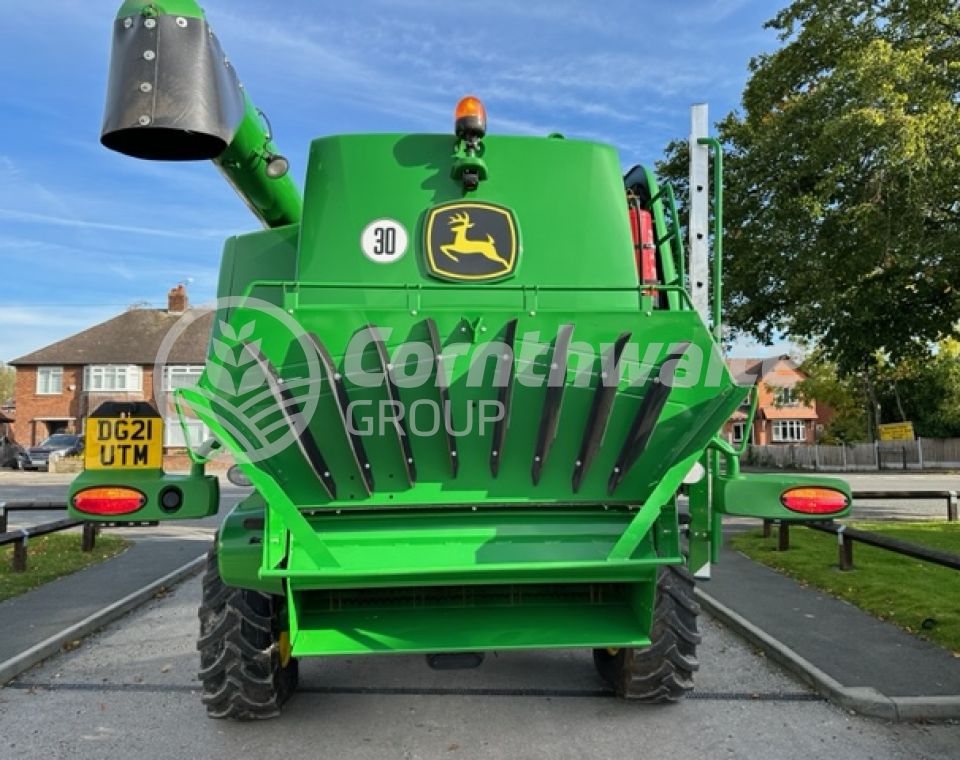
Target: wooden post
(3,517)
(952,506)
(766,528)
(844,551)
(89,537)
(783,536)
(20,555)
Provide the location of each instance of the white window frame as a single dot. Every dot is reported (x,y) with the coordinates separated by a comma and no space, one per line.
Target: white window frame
(789,431)
(173,433)
(174,437)
(170,371)
(53,376)
(785,396)
(97,378)
(737,432)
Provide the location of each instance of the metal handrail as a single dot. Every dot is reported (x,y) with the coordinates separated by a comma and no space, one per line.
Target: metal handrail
(19,537)
(847,534)
(26,506)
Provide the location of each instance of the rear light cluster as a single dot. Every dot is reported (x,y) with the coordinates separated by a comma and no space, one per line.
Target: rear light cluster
(814,501)
(112,500)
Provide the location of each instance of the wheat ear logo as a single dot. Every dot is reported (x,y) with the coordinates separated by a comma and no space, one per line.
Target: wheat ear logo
(237,357)
(236,397)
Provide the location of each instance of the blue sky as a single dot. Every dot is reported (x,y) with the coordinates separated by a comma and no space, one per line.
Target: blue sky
(85,233)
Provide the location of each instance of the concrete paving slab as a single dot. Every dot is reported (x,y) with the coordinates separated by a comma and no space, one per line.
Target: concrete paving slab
(851,646)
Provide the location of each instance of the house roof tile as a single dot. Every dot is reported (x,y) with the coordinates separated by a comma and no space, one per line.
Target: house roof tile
(744,371)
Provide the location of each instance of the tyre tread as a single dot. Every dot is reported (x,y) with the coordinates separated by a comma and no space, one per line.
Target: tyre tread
(240,669)
(663,670)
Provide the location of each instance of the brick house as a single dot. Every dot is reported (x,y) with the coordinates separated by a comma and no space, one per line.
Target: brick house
(782,417)
(59,385)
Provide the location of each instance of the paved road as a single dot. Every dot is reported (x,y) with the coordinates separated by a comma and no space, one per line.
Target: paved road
(899,509)
(901,481)
(130,691)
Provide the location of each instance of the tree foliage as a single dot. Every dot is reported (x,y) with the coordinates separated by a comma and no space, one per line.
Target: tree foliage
(7,383)
(844,397)
(843,181)
(923,391)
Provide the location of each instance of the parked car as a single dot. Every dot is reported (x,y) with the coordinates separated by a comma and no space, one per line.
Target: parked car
(62,444)
(12,454)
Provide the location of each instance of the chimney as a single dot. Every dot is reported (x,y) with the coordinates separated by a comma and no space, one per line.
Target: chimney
(177,300)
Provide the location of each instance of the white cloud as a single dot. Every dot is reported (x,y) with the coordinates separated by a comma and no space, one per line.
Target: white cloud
(713,11)
(36,316)
(414,66)
(172,232)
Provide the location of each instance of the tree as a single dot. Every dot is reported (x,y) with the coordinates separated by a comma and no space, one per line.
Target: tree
(925,392)
(7,383)
(843,180)
(845,397)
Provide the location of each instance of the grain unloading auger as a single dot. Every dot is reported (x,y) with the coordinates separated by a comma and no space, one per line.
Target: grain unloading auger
(465,381)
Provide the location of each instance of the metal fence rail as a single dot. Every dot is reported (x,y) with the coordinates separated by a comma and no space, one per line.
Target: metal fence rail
(33,505)
(921,454)
(951,498)
(20,537)
(847,536)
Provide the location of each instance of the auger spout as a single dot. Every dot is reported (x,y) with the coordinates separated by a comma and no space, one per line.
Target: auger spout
(174,96)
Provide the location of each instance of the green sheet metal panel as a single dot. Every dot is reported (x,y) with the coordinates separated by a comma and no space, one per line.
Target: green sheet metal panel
(567,197)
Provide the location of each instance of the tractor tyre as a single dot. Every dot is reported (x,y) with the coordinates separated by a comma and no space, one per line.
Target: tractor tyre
(245,667)
(662,671)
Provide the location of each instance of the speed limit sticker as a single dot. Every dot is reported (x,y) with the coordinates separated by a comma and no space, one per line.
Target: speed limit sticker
(384,241)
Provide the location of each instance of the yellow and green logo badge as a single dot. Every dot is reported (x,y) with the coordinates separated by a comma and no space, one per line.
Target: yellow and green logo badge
(471,242)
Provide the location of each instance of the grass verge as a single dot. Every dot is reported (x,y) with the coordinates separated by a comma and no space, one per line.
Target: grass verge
(920,597)
(53,556)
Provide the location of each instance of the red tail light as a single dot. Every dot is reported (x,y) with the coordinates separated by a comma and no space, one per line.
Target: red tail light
(113,500)
(814,501)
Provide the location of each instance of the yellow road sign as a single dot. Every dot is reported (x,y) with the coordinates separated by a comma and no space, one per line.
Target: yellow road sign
(896,431)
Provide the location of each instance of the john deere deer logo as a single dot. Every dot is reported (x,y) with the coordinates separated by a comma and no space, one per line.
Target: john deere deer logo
(471,241)
(463,246)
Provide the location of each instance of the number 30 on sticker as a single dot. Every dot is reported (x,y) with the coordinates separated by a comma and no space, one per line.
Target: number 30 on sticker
(384,241)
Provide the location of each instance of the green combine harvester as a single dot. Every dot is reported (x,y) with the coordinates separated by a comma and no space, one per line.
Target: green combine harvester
(467,383)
